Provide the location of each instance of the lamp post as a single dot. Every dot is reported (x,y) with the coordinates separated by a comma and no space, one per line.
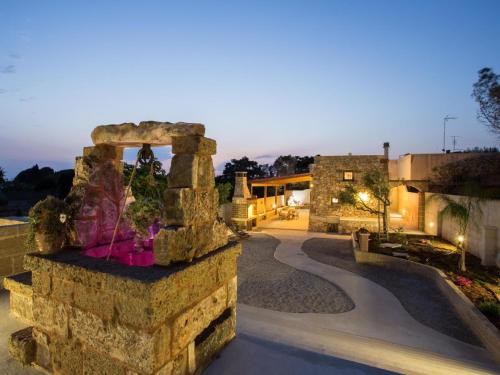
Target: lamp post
(445,119)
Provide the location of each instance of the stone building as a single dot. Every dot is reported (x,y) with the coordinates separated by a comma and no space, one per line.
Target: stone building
(331,175)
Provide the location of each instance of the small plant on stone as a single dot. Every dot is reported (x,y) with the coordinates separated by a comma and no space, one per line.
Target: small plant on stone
(48,223)
(490,308)
(142,213)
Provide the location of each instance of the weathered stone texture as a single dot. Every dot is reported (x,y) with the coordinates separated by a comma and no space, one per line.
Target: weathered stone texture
(112,323)
(191,171)
(328,182)
(190,323)
(186,206)
(22,347)
(151,132)
(12,249)
(194,145)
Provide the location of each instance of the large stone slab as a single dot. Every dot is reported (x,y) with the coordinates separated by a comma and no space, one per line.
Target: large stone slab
(151,132)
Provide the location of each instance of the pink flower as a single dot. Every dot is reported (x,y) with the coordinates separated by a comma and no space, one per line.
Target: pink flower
(463,281)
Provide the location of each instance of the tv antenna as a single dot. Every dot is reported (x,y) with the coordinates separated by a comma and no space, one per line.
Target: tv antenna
(445,120)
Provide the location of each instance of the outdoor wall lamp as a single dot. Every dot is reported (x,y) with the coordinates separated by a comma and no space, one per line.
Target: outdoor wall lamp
(363,196)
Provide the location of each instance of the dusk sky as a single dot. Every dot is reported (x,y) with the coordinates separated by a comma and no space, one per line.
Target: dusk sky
(266,78)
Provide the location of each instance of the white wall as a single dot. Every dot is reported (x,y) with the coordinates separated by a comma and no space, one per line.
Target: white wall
(481,232)
(303,196)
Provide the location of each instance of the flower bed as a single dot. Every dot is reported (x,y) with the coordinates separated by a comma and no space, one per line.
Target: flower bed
(479,283)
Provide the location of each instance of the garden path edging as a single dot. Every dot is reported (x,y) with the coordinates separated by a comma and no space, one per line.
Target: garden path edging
(470,314)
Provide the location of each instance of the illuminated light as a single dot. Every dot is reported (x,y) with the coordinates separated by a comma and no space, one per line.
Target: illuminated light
(250,210)
(274,205)
(431,224)
(335,200)
(311,185)
(403,211)
(363,196)
(460,239)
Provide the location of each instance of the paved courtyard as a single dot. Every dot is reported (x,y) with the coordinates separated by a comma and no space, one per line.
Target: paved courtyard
(306,308)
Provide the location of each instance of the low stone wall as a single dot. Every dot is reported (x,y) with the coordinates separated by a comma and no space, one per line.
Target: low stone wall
(95,317)
(20,296)
(477,322)
(12,249)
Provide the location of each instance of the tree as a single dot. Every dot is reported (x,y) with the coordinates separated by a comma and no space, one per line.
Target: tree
(287,164)
(459,211)
(254,170)
(376,185)
(224,190)
(2,175)
(487,93)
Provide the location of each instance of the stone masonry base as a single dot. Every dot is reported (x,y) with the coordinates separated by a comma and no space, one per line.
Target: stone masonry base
(96,317)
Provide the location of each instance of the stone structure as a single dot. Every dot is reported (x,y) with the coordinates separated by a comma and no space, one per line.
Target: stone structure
(93,316)
(12,238)
(242,202)
(331,174)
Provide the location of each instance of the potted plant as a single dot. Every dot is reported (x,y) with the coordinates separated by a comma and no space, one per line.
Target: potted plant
(48,220)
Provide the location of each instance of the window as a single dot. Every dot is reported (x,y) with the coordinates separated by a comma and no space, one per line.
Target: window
(348,176)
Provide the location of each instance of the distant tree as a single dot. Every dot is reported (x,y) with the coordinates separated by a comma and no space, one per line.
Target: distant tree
(224,190)
(148,182)
(2,175)
(287,164)
(454,177)
(487,94)
(375,184)
(34,175)
(481,149)
(254,170)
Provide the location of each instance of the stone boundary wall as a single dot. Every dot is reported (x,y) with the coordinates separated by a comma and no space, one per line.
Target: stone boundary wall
(12,249)
(477,322)
(483,233)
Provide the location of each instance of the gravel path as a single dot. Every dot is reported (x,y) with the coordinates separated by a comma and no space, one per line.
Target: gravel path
(267,283)
(418,295)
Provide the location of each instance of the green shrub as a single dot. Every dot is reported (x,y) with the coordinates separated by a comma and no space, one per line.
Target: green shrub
(142,213)
(490,308)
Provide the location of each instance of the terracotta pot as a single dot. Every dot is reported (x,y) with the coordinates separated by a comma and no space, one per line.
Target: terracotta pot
(49,243)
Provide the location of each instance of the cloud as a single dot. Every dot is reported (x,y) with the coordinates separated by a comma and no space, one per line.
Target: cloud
(3,91)
(14,55)
(9,69)
(27,99)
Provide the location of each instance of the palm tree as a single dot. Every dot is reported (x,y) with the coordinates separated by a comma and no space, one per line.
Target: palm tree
(459,210)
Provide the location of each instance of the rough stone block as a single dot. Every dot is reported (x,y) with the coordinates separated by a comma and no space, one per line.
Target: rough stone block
(50,316)
(67,357)
(151,132)
(94,300)
(178,244)
(183,171)
(194,145)
(219,335)
(140,350)
(17,263)
(41,283)
(43,358)
(62,290)
(192,322)
(22,346)
(5,266)
(232,291)
(95,363)
(21,306)
(184,206)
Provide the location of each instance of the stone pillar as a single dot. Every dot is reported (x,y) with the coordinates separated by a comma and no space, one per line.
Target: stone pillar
(240,202)
(193,227)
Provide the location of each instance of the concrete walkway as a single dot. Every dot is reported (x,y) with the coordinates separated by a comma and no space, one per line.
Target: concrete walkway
(379,331)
